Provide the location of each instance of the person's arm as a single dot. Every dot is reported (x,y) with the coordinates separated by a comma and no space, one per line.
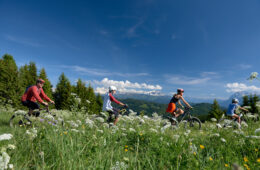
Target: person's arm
(113,99)
(184,101)
(243,109)
(180,104)
(45,97)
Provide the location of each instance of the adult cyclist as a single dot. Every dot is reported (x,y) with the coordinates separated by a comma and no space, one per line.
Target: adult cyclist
(172,106)
(33,94)
(107,104)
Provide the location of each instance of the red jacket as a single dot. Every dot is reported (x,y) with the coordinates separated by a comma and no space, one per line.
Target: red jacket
(34,94)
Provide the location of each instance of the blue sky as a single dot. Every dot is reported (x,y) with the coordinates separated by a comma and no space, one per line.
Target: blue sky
(208,48)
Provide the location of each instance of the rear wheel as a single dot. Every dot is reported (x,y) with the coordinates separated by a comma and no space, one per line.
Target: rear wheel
(19,120)
(195,123)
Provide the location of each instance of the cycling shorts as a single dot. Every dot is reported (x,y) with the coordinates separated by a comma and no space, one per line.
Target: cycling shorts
(31,105)
(171,108)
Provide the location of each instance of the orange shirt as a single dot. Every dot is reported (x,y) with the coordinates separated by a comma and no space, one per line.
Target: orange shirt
(34,94)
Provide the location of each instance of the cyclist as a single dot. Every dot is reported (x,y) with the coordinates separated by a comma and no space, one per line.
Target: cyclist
(34,94)
(107,104)
(172,107)
(232,109)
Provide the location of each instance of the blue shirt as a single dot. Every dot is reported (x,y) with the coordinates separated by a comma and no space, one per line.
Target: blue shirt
(231,109)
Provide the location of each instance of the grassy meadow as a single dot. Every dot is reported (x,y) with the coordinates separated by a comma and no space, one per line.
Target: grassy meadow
(87,142)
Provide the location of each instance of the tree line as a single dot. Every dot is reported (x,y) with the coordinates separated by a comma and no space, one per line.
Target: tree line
(251,101)
(14,81)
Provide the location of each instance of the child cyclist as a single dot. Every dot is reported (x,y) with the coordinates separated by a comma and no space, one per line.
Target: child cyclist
(232,109)
(172,107)
(107,104)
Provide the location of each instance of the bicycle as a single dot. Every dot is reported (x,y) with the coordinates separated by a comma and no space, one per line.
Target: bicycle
(22,118)
(194,122)
(110,116)
(228,121)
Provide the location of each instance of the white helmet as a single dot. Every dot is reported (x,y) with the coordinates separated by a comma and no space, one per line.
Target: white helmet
(235,100)
(112,88)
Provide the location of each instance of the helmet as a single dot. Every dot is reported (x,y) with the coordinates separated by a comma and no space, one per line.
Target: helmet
(40,81)
(180,90)
(112,88)
(235,100)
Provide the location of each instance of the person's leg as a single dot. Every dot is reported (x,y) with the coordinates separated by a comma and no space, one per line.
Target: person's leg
(238,118)
(116,113)
(32,106)
(179,112)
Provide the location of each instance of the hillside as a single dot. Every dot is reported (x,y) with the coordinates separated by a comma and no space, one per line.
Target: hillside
(148,108)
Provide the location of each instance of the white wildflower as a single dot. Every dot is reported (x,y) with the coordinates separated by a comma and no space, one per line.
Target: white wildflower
(20,112)
(257,131)
(100,119)
(4,160)
(153,130)
(105,142)
(89,123)
(253,76)
(123,134)
(132,130)
(218,125)
(10,146)
(213,119)
(106,125)
(100,131)
(41,154)
(145,117)
(142,121)
(88,101)
(165,127)
(215,135)
(223,140)
(73,124)
(75,130)
(11,166)
(48,116)
(254,137)
(32,133)
(123,129)
(155,115)
(193,149)
(161,138)
(238,132)
(6,136)
(79,122)
(103,114)
(244,124)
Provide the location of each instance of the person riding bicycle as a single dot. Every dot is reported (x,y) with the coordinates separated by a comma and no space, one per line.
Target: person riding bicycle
(232,109)
(172,107)
(34,94)
(107,104)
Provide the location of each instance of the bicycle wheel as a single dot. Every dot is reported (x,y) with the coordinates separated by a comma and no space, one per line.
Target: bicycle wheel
(19,120)
(195,123)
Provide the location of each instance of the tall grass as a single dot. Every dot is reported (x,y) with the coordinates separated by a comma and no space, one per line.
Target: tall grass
(145,146)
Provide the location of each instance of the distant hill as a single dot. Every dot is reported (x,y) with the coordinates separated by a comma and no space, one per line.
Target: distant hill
(148,108)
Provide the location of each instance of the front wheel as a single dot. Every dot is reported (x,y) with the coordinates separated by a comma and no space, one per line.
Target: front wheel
(195,123)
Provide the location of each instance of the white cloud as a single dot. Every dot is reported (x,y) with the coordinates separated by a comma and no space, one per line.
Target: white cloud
(183,80)
(239,87)
(21,40)
(100,72)
(126,86)
(244,66)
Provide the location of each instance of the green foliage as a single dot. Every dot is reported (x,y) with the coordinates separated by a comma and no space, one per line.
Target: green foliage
(47,85)
(253,103)
(9,86)
(245,101)
(62,95)
(215,111)
(99,102)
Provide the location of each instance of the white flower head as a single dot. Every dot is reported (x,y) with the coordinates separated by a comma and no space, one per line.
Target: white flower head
(223,140)
(10,146)
(100,119)
(132,130)
(6,136)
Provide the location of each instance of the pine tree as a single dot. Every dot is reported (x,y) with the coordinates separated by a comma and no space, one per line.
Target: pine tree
(253,101)
(99,102)
(47,85)
(32,70)
(62,94)
(91,97)
(215,111)
(245,100)
(81,90)
(9,85)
